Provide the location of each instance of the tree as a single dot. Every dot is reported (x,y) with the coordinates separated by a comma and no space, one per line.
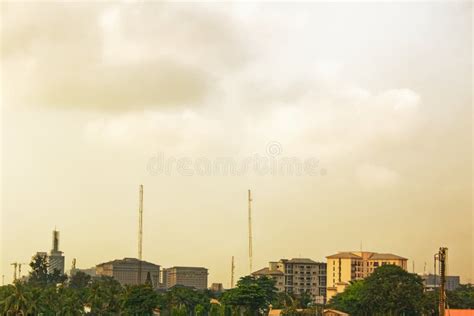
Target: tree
(251,295)
(139,300)
(15,299)
(181,298)
(462,297)
(79,280)
(104,296)
(390,290)
(39,270)
(351,299)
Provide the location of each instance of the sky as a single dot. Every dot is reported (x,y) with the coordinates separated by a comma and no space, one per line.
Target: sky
(350,122)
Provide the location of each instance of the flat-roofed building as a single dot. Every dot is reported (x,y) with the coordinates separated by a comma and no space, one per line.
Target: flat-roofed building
(432,281)
(126,271)
(298,276)
(195,277)
(344,267)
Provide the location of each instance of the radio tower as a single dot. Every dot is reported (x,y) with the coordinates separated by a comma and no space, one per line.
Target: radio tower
(250,231)
(140,234)
(232,269)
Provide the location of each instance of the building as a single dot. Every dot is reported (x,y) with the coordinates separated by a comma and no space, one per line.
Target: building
(460,312)
(432,281)
(195,277)
(298,276)
(127,271)
(217,287)
(344,267)
(56,258)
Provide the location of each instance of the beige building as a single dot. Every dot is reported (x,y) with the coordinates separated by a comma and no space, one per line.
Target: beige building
(186,276)
(126,271)
(297,276)
(344,267)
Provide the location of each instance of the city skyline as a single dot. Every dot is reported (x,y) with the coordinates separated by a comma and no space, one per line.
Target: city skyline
(372,100)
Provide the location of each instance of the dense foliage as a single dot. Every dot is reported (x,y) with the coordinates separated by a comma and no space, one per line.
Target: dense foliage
(390,290)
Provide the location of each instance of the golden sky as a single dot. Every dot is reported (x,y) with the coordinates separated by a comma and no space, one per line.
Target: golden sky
(95,96)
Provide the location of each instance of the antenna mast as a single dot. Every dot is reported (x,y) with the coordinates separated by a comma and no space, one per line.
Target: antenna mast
(250,231)
(140,234)
(232,269)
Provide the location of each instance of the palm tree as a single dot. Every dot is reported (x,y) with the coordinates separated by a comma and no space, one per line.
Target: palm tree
(17,302)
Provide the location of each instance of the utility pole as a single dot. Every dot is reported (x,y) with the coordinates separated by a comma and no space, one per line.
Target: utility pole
(3,279)
(232,269)
(442,258)
(140,234)
(250,231)
(15,265)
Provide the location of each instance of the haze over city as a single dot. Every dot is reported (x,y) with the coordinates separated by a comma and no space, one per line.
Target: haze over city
(95,96)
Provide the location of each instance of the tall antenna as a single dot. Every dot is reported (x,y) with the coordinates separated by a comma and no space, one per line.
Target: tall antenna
(140,234)
(232,269)
(250,231)
(442,258)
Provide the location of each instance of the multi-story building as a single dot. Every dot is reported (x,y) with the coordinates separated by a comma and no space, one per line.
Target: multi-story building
(344,267)
(298,276)
(127,271)
(56,258)
(195,277)
(432,281)
(216,287)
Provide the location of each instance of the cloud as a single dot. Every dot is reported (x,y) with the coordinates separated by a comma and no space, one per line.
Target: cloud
(113,57)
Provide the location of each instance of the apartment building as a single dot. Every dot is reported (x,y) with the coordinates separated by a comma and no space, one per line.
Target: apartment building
(344,267)
(195,277)
(127,271)
(298,276)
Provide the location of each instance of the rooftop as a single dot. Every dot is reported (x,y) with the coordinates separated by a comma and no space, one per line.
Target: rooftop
(267,271)
(126,261)
(368,255)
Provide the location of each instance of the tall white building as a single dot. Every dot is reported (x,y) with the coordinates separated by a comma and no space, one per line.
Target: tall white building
(298,276)
(56,258)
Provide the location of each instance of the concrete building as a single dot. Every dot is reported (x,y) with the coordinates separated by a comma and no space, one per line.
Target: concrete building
(56,258)
(195,277)
(217,287)
(432,281)
(126,271)
(298,276)
(344,267)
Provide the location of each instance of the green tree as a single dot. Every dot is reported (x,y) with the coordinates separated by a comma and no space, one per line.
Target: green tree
(390,290)
(104,296)
(181,298)
(351,299)
(79,280)
(15,299)
(251,295)
(462,297)
(39,270)
(139,300)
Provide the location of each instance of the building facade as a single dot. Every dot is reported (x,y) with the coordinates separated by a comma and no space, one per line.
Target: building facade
(195,277)
(432,281)
(344,267)
(55,257)
(298,276)
(127,271)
